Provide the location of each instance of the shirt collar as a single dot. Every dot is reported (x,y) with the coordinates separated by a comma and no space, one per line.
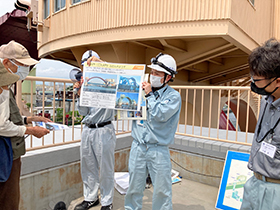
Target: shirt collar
(269,99)
(161,91)
(275,103)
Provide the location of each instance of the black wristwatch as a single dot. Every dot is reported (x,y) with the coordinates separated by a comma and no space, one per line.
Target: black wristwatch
(149,94)
(25,120)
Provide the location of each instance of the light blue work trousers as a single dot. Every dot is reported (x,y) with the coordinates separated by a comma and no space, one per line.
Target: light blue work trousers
(97,163)
(153,159)
(260,195)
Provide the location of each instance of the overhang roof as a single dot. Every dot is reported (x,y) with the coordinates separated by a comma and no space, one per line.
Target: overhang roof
(13,27)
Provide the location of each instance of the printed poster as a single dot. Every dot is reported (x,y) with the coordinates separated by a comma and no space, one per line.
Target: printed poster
(112,85)
(235,175)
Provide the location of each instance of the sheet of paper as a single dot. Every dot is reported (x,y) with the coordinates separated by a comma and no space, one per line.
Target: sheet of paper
(121,181)
(50,126)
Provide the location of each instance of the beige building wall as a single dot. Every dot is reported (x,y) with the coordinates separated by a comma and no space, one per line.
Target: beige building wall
(276,19)
(254,20)
(97,22)
(209,39)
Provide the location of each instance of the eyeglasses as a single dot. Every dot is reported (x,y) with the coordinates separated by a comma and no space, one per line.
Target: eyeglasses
(14,62)
(257,80)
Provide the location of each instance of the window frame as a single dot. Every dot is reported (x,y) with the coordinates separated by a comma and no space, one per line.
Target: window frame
(57,9)
(46,14)
(252,2)
(78,2)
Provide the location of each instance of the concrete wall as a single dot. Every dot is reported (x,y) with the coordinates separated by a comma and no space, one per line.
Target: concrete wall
(201,160)
(53,174)
(43,189)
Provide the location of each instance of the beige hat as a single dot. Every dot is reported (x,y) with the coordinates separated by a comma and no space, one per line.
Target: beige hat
(7,78)
(14,50)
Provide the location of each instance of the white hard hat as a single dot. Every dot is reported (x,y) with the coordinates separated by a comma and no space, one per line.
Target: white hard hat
(164,63)
(87,55)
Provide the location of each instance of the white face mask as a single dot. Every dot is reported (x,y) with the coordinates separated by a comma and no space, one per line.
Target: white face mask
(4,95)
(155,81)
(22,71)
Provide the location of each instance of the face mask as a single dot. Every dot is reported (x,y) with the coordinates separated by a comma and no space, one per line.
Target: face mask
(262,91)
(4,95)
(155,81)
(22,71)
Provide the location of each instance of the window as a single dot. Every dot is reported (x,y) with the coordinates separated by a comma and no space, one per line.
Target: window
(46,8)
(58,5)
(77,1)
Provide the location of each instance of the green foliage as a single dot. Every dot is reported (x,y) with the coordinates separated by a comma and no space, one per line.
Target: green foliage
(59,112)
(59,117)
(69,88)
(28,105)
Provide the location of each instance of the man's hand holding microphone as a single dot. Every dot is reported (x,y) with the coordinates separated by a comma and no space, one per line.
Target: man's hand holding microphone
(77,86)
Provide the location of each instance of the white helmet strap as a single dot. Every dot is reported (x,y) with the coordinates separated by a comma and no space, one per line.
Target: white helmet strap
(85,59)
(165,75)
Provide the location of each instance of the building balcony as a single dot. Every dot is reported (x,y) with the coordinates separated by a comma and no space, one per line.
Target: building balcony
(210,40)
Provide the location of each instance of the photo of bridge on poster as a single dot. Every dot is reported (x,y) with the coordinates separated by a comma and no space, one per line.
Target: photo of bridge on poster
(235,175)
(112,85)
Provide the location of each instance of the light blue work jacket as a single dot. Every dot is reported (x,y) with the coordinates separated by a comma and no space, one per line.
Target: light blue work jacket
(163,111)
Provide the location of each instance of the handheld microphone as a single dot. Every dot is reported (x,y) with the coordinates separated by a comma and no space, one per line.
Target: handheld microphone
(76,76)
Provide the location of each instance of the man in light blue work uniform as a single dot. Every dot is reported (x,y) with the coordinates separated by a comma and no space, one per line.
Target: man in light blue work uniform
(262,191)
(149,150)
(97,151)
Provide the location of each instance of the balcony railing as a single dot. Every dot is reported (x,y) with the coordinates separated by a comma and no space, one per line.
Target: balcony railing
(54,99)
(220,113)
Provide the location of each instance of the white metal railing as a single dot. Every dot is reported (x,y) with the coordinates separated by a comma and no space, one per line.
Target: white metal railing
(200,112)
(59,96)
(205,113)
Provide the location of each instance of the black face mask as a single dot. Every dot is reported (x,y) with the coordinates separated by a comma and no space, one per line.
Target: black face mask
(262,91)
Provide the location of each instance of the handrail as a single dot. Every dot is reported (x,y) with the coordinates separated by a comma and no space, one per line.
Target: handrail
(200,113)
(59,105)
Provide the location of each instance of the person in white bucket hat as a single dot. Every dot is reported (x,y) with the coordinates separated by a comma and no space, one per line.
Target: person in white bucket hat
(14,66)
(18,52)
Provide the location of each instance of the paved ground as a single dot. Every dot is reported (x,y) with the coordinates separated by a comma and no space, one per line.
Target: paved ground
(187,195)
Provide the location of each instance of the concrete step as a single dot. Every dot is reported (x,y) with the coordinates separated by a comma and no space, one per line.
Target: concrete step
(187,195)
